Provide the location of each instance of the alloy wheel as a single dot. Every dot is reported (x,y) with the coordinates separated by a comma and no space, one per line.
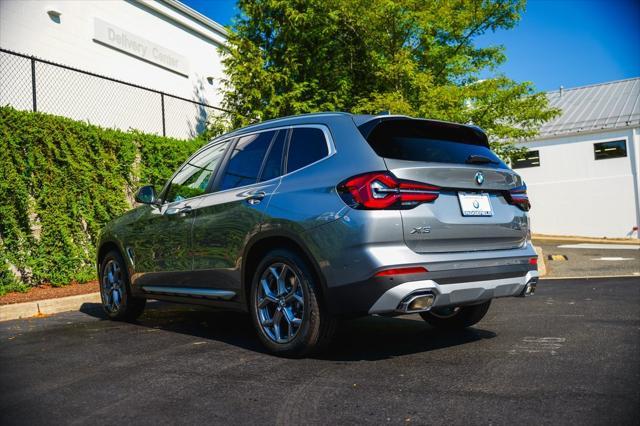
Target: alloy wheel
(280,303)
(112,288)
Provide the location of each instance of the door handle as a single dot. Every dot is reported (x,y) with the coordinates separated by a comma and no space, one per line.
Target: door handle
(182,211)
(185,211)
(255,197)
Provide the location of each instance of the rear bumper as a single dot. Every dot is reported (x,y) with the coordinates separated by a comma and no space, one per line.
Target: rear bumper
(455,294)
(463,281)
(349,254)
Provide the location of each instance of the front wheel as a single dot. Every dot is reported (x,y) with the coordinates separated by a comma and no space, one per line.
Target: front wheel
(117,301)
(285,306)
(456,317)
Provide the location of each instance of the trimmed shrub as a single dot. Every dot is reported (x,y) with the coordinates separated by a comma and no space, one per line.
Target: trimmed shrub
(61,181)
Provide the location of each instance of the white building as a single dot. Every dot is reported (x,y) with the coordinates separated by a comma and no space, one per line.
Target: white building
(159,44)
(583,170)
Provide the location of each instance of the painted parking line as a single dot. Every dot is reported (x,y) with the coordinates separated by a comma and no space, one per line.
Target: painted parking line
(601,246)
(612,259)
(545,345)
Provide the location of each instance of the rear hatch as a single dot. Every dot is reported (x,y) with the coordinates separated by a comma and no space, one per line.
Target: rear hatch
(474,209)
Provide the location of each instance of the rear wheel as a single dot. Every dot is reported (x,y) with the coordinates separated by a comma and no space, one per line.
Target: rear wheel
(285,306)
(117,301)
(456,317)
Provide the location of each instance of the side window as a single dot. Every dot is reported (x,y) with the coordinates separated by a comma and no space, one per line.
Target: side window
(529,159)
(307,146)
(607,150)
(273,164)
(194,176)
(246,159)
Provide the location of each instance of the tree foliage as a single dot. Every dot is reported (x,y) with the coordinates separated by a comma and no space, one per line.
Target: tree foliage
(411,57)
(62,180)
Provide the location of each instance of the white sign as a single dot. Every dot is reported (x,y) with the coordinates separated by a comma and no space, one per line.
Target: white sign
(120,39)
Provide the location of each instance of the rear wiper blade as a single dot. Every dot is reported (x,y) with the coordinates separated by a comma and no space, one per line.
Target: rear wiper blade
(479,159)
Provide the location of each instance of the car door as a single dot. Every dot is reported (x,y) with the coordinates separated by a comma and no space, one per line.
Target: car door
(163,248)
(233,212)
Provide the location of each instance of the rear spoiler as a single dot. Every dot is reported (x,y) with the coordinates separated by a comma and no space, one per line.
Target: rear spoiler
(427,128)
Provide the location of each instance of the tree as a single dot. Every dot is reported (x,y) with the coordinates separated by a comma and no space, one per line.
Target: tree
(411,57)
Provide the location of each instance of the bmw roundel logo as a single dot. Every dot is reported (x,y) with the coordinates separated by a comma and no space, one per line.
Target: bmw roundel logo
(479,178)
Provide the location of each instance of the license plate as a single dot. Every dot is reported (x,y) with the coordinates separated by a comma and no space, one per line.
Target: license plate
(475,204)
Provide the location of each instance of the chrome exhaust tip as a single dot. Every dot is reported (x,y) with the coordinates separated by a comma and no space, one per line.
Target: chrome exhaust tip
(416,302)
(530,288)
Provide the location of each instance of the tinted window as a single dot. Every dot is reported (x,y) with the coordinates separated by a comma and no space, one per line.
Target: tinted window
(273,164)
(307,145)
(246,159)
(416,140)
(529,159)
(606,150)
(193,178)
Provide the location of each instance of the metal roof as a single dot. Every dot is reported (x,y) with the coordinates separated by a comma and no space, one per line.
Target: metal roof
(611,105)
(197,16)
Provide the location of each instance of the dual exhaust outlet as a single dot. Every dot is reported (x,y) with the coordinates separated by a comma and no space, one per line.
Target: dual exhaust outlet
(422,301)
(416,302)
(530,288)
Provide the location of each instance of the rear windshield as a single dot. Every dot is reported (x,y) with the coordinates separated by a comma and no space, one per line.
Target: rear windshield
(417,140)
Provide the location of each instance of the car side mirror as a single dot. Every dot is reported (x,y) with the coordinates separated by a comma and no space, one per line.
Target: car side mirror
(146,195)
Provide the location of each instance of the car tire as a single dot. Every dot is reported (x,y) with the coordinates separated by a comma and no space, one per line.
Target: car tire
(115,291)
(269,306)
(456,318)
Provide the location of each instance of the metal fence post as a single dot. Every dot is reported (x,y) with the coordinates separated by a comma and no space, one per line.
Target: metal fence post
(164,129)
(33,83)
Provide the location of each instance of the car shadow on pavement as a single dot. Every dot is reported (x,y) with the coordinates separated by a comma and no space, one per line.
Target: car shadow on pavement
(369,338)
(375,338)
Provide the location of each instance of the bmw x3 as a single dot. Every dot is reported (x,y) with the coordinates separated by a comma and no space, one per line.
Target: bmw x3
(304,220)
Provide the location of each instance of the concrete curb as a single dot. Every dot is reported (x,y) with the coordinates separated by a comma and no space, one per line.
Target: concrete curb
(591,277)
(542,266)
(542,237)
(47,306)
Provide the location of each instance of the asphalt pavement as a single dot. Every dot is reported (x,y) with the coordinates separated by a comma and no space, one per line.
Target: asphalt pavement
(583,259)
(568,355)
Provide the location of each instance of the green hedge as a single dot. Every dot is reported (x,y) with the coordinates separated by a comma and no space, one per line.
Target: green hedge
(60,181)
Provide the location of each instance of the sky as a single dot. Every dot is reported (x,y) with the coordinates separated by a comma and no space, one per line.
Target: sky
(557,43)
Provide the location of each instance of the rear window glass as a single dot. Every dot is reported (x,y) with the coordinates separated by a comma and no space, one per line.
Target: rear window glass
(307,146)
(416,140)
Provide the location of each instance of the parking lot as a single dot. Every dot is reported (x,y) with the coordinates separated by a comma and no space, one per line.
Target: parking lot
(570,354)
(582,259)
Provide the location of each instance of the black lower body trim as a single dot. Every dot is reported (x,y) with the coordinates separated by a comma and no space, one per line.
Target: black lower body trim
(355,299)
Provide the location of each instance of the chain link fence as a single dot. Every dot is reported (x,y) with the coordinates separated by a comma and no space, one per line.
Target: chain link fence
(30,83)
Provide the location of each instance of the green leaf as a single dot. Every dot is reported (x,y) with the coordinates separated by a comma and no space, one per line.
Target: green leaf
(62,180)
(405,56)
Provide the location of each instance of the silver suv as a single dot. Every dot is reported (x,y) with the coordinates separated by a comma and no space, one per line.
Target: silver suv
(303,220)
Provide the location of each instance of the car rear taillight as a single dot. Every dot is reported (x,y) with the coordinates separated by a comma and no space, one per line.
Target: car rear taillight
(518,197)
(382,190)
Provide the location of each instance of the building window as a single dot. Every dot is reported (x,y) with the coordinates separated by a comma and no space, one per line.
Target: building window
(529,159)
(613,149)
